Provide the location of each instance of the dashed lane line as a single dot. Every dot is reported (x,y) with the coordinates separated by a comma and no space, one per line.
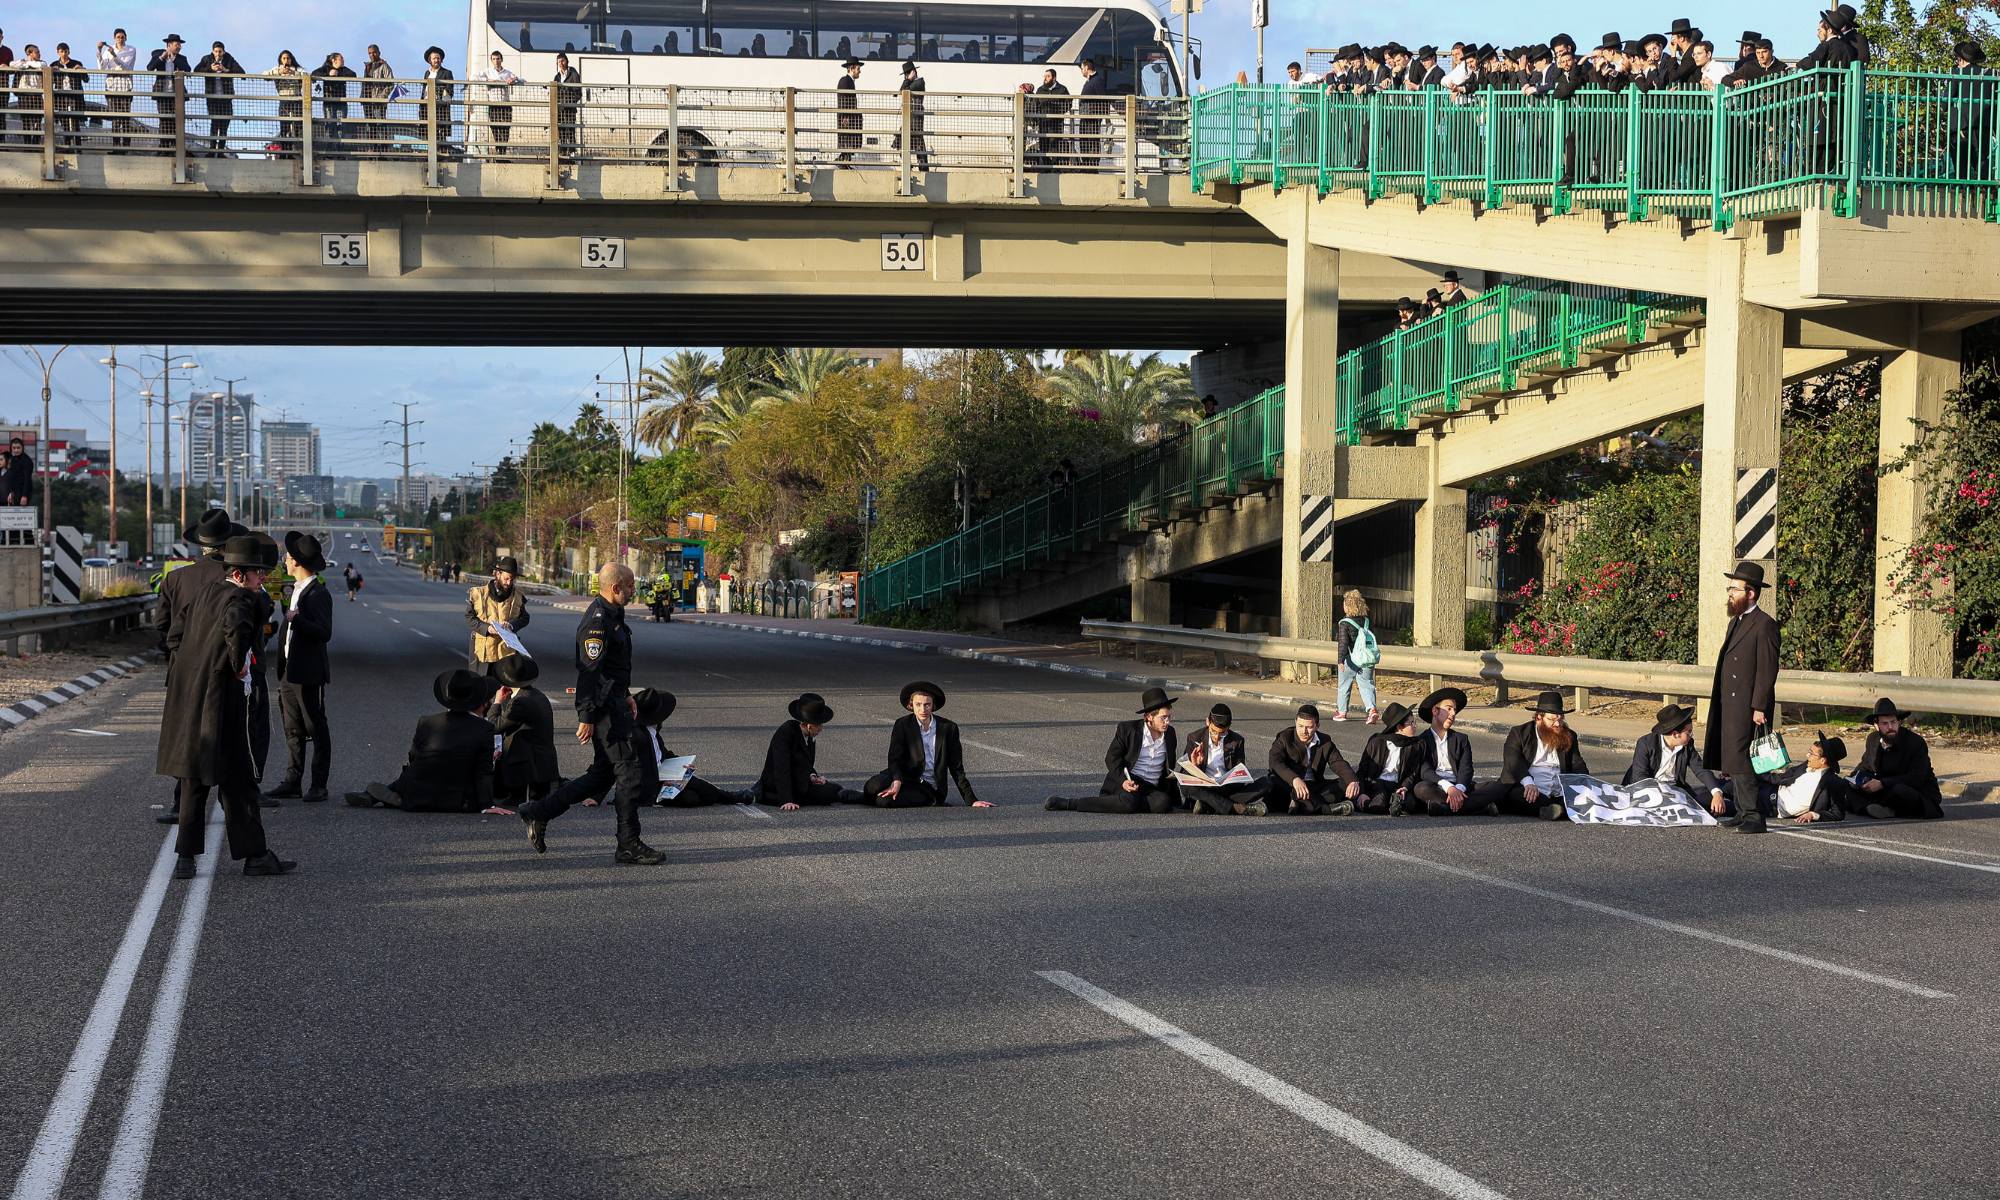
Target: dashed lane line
(751,810)
(1869,844)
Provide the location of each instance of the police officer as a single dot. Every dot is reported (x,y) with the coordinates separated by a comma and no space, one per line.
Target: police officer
(606,718)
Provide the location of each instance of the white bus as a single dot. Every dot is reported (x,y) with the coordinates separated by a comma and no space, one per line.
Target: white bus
(960,47)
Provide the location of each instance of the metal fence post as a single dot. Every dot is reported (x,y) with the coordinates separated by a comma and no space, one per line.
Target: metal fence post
(430,137)
(178,92)
(1718,161)
(555,136)
(1431,191)
(305,133)
(1019,186)
(1565,329)
(903,145)
(1506,363)
(1490,151)
(673,137)
(49,122)
(1374,150)
(1131,186)
(791,139)
(1635,200)
(1850,139)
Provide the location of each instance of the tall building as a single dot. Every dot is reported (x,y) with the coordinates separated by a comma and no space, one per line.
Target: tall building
(291,449)
(219,437)
(316,488)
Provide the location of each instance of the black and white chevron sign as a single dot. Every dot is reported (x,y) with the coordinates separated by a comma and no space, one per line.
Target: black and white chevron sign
(1316,529)
(1756,512)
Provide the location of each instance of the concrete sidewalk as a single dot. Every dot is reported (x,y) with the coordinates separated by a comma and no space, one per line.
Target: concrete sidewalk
(1967,775)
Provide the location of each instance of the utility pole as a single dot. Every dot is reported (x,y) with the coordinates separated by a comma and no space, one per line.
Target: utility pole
(48,475)
(404,424)
(229,489)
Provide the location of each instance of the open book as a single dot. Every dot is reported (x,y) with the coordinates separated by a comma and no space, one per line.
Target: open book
(674,775)
(1189,775)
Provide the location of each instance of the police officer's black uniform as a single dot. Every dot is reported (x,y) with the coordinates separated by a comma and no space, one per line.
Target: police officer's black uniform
(620,752)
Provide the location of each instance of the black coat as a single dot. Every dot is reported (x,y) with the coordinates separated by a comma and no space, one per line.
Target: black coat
(204,730)
(1832,798)
(218,87)
(788,766)
(1689,775)
(1123,755)
(19,484)
(1746,678)
(1375,754)
(450,768)
(1290,760)
(1232,748)
(1908,762)
(1833,52)
(906,757)
(178,590)
(167,65)
(1420,761)
(302,658)
(1518,754)
(527,725)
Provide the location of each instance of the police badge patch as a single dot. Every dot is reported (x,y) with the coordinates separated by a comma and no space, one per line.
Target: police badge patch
(593,648)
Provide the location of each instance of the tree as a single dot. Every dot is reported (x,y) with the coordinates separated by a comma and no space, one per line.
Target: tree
(728,417)
(802,375)
(744,367)
(1136,398)
(1903,38)
(678,392)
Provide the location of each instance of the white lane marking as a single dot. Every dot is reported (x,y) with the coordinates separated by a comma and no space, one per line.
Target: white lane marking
(420,633)
(994,749)
(751,810)
(394,619)
(1861,843)
(132,1150)
(48,1160)
(1348,1128)
(1624,914)
(90,733)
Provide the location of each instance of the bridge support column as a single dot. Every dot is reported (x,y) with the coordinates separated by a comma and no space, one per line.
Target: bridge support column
(1742,381)
(1914,383)
(1312,328)
(1437,568)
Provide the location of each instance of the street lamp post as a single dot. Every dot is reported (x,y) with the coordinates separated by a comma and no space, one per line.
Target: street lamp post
(48,366)
(167,367)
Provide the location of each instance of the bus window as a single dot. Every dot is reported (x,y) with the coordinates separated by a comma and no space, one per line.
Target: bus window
(545,25)
(971,33)
(760,29)
(1103,48)
(1156,69)
(1046,32)
(654,26)
(869,31)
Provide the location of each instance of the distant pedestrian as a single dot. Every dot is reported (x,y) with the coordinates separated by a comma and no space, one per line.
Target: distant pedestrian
(289,81)
(1052,115)
(491,607)
(333,75)
(569,98)
(70,77)
(167,62)
(28,92)
(1359,652)
(1450,293)
(18,485)
(437,97)
(117,59)
(1740,706)
(498,92)
(914,85)
(375,136)
(304,672)
(1092,144)
(848,114)
(219,92)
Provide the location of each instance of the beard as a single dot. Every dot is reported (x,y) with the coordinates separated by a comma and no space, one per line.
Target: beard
(1737,605)
(1559,740)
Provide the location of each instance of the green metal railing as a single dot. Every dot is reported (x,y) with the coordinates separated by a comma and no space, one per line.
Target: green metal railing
(1844,139)
(1232,449)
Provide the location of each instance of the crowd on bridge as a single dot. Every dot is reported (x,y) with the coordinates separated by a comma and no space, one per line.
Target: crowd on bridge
(491,747)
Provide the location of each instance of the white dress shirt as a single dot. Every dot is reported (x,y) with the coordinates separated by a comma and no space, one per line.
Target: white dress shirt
(930,750)
(1152,756)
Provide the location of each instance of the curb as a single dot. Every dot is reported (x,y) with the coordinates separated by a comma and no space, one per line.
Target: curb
(1953,790)
(22,711)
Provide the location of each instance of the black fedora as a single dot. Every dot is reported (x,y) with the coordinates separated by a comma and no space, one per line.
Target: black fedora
(305,550)
(1747,572)
(516,669)
(654,704)
(1539,54)
(796,706)
(928,688)
(1672,718)
(268,547)
(459,690)
(1610,41)
(1886,707)
(810,709)
(1832,747)
(851,62)
(1221,715)
(1394,716)
(210,529)
(1681,25)
(1653,39)
(244,550)
(1450,276)
(1562,41)
(909,66)
(1750,38)
(1550,701)
(1424,52)
(509,564)
(1155,699)
(1438,697)
(1971,52)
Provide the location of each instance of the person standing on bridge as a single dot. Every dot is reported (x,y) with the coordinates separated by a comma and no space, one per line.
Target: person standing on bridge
(848,116)
(914,84)
(491,607)
(1746,680)
(303,670)
(1138,765)
(437,96)
(1050,149)
(606,718)
(375,135)
(117,59)
(167,62)
(333,75)
(218,90)
(499,90)
(1092,146)
(18,484)
(569,98)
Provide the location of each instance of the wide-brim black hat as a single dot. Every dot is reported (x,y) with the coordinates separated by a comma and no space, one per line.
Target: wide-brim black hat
(305,550)
(1653,39)
(509,564)
(1886,707)
(1450,276)
(852,62)
(1750,37)
(1435,698)
(1561,40)
(1610,41)
(1153,699)
(1424,52)
(430,50)
(462,691)
(925,686)
(1748,572)
(1350,50)
(210,529)
(909,65)
(1681,25)
(516,670)
(1672,718)
(1831,16)
(655,705)
(1971,52)
(1394,716)
(244,550)
(1632,49)
(1395,48)
(268,547)
(1550,701)
(1540,54)
(798,706)
(1832,747)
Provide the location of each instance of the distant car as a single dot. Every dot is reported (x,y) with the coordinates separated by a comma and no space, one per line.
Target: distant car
(388,560)
(96,562)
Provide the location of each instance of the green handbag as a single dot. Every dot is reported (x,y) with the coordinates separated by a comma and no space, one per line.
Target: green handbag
(1768,754)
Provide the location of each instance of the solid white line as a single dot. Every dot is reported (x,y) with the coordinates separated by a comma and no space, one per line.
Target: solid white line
(751,810)
(1720,939)
(132,1151)
(1350,1129)
(994,749)
(48,1161)
(1860,843)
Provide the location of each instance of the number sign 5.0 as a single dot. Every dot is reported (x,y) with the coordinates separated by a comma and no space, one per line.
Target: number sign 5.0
(604,253)
(343,250)
(903,251)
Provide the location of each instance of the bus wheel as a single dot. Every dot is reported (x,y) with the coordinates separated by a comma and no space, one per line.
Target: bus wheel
(695,149)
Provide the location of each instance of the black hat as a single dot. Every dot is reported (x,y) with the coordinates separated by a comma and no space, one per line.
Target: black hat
(459,690)
(1610,41)
(1846,14)
(1154,699)
(1632,49)
(1424,52)
(1832,747)
(172,37)
(1831,17)
(1886,707)
(851,62)
(1750,37)
(810,708)
(1221,715)
(1394,716)
(516,669)
(1681,25)
(1971,52)
(932,690)
(910,64)
(1450,276)
(1748,572)
(509,564)
(1653,39)
(1550,701)
(211,529)
(1350,50)
(655,705)
(1539,54)
(1309,711)
(1487,50)
(246,551)
(1432,294)
(1672,718)
(1406,302)
(1438,697)
(1561,40)
(1395,48)
(430,50)
(267,548)
(305,550)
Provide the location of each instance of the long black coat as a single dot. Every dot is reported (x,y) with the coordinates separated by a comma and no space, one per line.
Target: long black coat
(1290,760)
(177,591)
(906,757)
(1689,775)
(302,658)
(204,728)
(1123,754)
(788,766)
(1518,754)
(450,768)
(527,723)
(1746,680)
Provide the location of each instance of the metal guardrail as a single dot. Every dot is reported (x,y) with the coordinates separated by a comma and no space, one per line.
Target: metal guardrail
(311,120)
(1903,141)
(123,612)
(1957,697)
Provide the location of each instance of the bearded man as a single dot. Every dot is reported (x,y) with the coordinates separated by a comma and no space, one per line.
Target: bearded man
(1535,756)
(1741,704)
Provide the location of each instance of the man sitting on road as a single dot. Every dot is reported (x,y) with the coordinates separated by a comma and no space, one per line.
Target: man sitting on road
(1381,765)
(450,768)
(1814,791)
(791,777)
(924,752)
(1218,750)
(1441,771)
(1308,774)
(526,768)
(1895,778)
(1531,763)
(654,707)
(1138,766)
(1667,756)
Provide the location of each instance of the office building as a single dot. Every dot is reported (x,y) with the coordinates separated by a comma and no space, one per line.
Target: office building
(291,448)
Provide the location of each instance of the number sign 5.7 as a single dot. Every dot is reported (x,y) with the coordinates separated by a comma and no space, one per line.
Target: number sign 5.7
(343,250)
(903,251)
(604,253)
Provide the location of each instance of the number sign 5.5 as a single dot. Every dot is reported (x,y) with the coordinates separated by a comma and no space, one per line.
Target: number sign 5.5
(903,251)
(343,250)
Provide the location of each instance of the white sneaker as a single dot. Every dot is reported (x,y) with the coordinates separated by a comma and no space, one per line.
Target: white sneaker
(1340,716)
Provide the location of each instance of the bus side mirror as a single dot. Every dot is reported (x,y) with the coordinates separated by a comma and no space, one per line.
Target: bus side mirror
(1194,60)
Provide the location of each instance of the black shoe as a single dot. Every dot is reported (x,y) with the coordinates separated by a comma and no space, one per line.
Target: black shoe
(169,816)
(538,834)
(184,867)
(267,863)
(1339,808)
(316,796)
(1730,821)
(288,790)
(360,799)
(1059,804)
(850,796)
(748,796)
(1552,812)
(1257,808)
(1750,825)
(1440,808)
(1880,812)
(267,800)
(639,854)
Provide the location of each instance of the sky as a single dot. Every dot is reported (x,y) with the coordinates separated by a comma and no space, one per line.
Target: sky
(473,401)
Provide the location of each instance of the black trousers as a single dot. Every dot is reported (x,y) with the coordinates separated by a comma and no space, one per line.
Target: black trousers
(260,723)
(619,758)
(1162,797)
(1510,798)
(1376,795)
(303,710)
(698,793)
(1321,794)
(910,795)
(241,821)
(1433,797)
(1904,799)
(1221,800)
(814,794)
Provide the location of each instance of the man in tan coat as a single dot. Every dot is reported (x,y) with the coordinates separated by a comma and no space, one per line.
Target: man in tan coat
(491,607)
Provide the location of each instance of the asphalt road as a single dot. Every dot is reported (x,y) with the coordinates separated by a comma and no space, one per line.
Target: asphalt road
(853,1002)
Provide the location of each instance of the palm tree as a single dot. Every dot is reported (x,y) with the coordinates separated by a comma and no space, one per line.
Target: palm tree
(679,391)
(729,415)
(1134,397)
(801,374)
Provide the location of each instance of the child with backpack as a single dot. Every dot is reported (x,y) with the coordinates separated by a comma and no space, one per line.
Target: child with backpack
(1359,653)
